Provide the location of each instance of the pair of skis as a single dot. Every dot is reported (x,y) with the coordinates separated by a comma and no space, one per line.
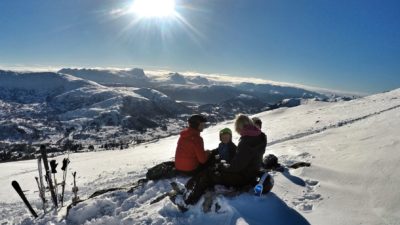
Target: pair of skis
(49,180)
(52,186)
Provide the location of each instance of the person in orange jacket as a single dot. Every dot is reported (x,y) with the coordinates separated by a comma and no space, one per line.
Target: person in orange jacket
(190,156)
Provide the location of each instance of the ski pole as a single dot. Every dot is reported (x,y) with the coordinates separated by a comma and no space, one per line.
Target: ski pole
(41,194)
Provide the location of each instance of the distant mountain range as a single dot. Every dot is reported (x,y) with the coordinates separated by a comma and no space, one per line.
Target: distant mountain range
(97,106)
(193,88)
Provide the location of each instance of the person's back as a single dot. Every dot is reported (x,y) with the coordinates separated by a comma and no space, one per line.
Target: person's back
(190,150)
(190,153)
(250,151)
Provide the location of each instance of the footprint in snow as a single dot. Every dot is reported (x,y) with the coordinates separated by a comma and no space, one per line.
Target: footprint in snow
(304,155)
(305,207)
(309,198)
(312,182)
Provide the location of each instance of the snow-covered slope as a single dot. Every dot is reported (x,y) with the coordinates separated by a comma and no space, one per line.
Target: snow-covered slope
(354,178)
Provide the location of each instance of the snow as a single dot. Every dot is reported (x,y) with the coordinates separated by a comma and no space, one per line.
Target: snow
(354,177)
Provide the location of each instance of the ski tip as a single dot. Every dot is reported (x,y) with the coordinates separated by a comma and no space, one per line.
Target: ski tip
(15,185)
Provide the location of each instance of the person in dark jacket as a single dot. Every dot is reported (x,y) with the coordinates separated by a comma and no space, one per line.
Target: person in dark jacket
(243,169)
(257,121)
(226,149)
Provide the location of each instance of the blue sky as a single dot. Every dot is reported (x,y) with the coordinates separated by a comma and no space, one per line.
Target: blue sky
(345,45)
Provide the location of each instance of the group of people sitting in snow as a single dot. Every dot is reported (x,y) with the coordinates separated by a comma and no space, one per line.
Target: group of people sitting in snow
(229,165)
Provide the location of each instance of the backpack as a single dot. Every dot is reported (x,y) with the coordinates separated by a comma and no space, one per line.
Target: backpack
(270,162)
(161,171)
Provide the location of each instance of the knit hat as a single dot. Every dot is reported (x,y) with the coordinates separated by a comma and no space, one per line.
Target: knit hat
(225,131)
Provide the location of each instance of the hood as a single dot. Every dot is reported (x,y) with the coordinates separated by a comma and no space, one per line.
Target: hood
(251,131)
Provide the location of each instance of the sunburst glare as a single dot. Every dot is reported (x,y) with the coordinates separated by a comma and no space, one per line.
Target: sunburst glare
(153,8)
(151,16)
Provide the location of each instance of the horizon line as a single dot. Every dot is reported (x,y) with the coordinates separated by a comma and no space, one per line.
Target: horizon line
(165,70)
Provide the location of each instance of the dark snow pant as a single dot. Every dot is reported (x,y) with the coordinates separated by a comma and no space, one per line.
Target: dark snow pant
(211,162)
(192,173)
(198,185)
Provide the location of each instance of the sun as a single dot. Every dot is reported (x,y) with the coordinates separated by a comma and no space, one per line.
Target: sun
(153,8)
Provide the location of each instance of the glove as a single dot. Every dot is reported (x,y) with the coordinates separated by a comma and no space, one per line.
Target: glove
(53,166)
(65,163)
(222,165)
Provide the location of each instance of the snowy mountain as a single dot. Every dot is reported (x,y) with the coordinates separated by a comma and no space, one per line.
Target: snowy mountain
(134,77)
(46,107)
(353,179)
(200,94)
(230,108)
(199,80)
(35,87)
(276,92)
(176,78)
(217,93)
(193,88)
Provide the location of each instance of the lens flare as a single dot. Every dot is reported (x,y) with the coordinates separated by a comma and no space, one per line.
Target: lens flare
(153,8)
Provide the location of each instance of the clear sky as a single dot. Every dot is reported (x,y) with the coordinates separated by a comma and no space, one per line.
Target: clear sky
(337,44)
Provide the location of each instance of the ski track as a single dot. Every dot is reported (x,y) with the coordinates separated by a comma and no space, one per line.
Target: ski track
(20,173)
(339,124)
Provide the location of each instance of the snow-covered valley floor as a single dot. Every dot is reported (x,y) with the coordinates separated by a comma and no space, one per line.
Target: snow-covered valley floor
(354,177)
